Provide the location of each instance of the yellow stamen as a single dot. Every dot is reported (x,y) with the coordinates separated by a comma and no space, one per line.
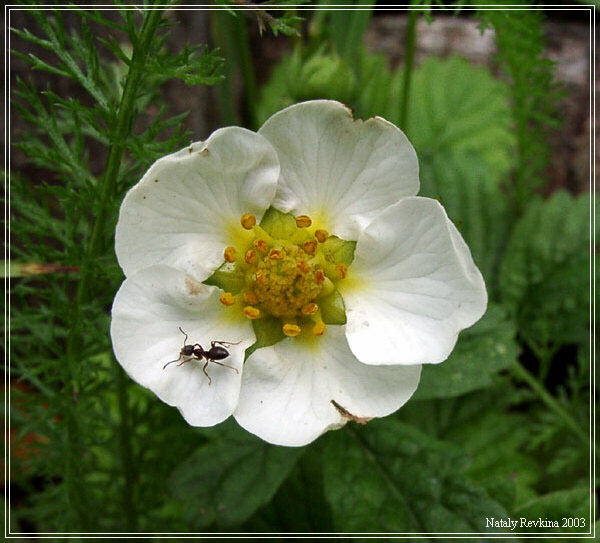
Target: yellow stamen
(303,266)
(229,254)
(251,312)
(250,256)
(261,245)
(310,308)
(303,221)
(250,297)
(227,298)
(319,328)
(342,270)
(248,221)
(291,330)
(260,277)
(310,246)
(321,235)
(275,254)
(319,277)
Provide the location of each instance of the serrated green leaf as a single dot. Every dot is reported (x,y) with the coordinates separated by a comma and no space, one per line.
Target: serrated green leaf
(299,505)
(481,352)
(277,224)
(556,506)
(458,108)
(544,276)
(226,480)
(391,476)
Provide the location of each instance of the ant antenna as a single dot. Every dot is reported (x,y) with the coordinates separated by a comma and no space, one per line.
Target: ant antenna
(186,336)
(176,360)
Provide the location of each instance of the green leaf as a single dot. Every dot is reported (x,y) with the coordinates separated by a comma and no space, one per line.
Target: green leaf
(299,506)
(268,331)
(481,352)
(495,437)
(226,480)
(333,310)
(338,250)
(228,277)
(347,27)
(544,276)
(556,506)
(391,476)
(298,78)
(277,224)
(458,108)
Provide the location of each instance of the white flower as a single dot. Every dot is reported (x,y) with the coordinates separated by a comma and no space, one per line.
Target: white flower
(410,289)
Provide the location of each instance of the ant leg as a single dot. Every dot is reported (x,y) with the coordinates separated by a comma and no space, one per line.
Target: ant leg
(225,366)
(185,360)
(172,361)
(224,343)
(205,372)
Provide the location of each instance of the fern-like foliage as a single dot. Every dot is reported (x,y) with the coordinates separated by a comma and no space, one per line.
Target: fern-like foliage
(68,392)
(534,93)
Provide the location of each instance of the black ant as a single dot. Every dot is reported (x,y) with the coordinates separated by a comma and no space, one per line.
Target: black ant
(197,352)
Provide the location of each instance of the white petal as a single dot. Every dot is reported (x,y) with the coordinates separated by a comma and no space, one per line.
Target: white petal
(287,389)
(337,169)
(182,211)
(418,287)
(147,312)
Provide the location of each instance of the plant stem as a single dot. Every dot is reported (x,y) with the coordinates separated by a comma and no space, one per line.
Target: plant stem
(550,401)
(127,463)
(122,127)
(242,49)
(224,40)
(409,58)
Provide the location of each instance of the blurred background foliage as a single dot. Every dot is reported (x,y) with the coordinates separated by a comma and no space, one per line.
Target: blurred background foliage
(501,429)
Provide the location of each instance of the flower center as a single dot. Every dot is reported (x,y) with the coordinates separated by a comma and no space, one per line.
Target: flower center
(285,269)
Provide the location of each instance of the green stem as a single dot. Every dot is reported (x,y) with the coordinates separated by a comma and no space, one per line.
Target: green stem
(224,40)
(127,463)
(242,49)
(408,64)
(120,131)
(550,401)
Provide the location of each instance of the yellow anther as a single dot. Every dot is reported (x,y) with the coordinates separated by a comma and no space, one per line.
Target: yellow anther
(276,254)
(310,246)
(291,330)
(303,221)
(250,256)
(251,312)
(261,245)
(303,266)
(260,277)
(321,235)
(319,328)
(229,254)
(310,308)
(342,270)
(227,298)
(319,277)
(250,297)
(248,221)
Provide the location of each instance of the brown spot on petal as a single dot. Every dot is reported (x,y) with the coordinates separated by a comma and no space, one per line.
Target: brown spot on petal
(347,415)
(193,287)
